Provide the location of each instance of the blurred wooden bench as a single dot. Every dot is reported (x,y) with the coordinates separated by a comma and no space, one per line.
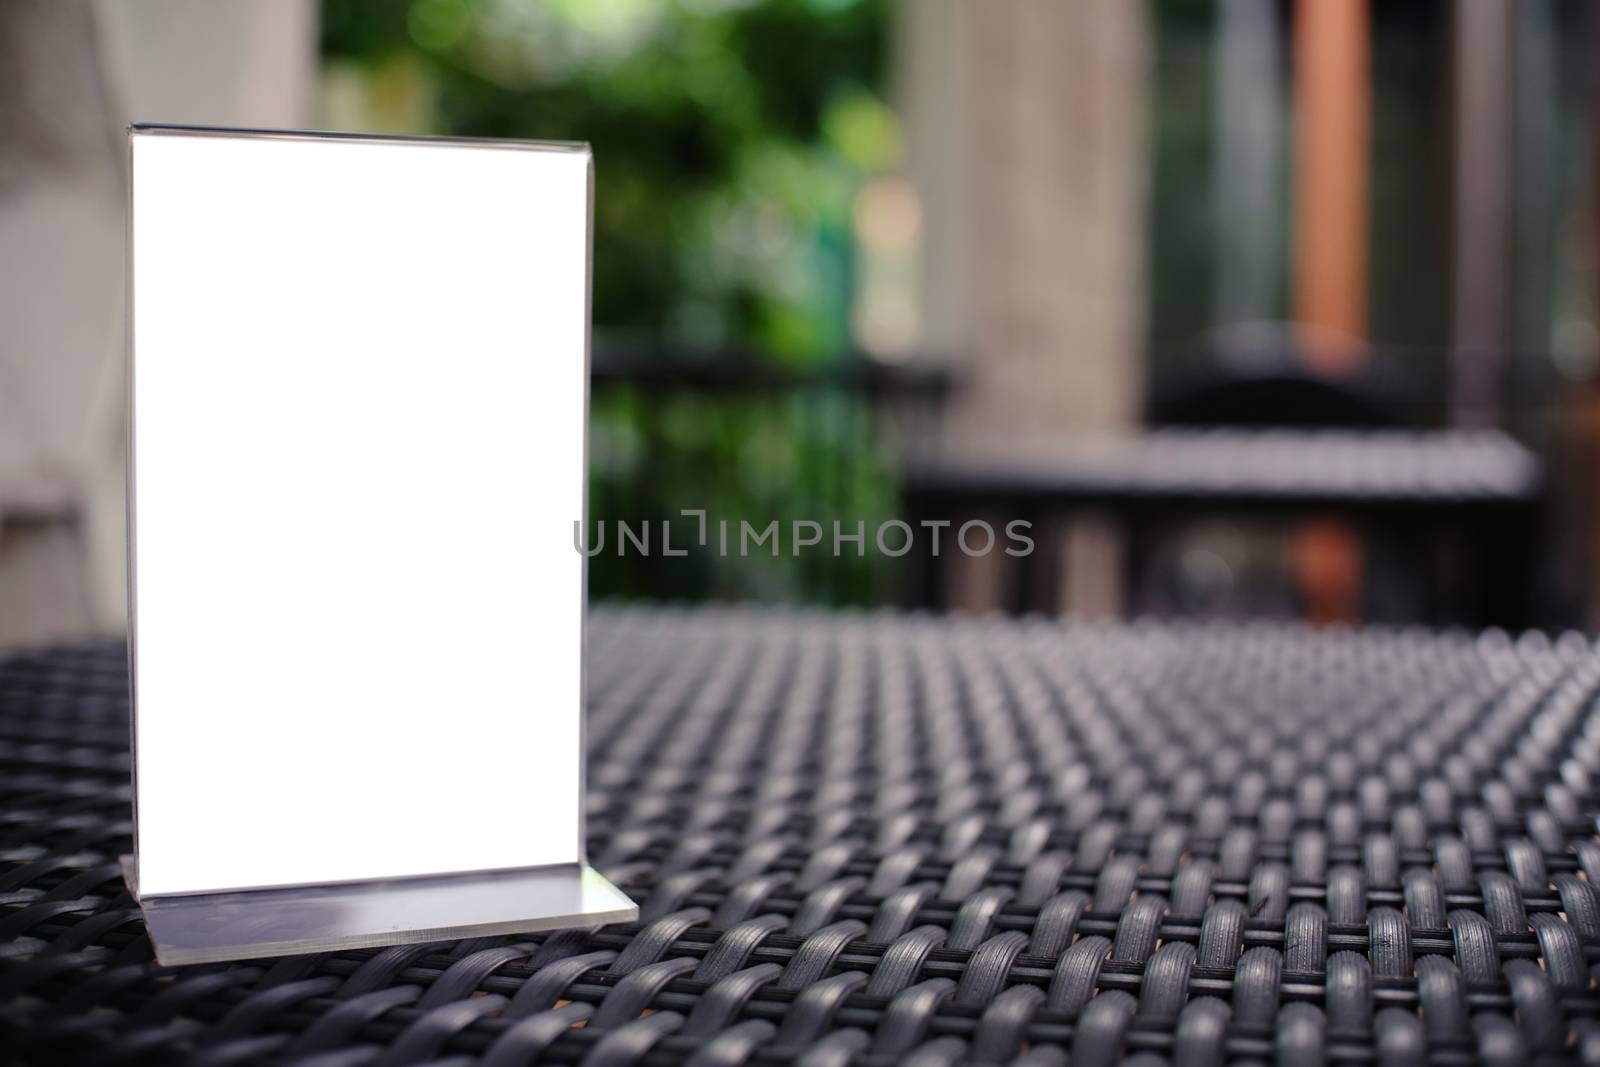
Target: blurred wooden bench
(1419,488)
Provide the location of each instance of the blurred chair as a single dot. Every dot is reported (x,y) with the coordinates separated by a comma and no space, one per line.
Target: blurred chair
(1284,396)
(1257,374)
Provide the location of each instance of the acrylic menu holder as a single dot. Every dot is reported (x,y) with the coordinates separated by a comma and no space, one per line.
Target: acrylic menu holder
(359,373)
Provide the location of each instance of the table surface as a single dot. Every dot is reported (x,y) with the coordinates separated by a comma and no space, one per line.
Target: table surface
(882,839)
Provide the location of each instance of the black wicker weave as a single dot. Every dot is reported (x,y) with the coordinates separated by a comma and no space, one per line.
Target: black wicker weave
(878,839)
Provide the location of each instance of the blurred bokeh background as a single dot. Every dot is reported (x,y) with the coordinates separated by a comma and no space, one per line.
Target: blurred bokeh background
(1277,308)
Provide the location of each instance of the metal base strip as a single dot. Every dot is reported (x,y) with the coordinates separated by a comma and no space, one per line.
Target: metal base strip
(246,924)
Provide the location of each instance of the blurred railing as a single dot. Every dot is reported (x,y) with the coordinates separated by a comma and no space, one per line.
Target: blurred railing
(745,441)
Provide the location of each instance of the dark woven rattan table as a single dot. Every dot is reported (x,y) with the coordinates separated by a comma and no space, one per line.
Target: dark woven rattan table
(881,839)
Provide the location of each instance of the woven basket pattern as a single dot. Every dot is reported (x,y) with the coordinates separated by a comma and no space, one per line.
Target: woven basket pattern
(882,839)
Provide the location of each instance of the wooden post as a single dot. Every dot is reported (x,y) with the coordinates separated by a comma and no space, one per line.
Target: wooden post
(1333,102)
(1333,105)
(1483,42)
(1025,125)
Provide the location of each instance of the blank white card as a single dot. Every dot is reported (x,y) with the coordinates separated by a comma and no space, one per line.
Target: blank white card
(359,393)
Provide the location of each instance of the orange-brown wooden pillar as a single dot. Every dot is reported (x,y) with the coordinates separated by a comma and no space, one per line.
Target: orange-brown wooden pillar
(1333,114)
(1333,103)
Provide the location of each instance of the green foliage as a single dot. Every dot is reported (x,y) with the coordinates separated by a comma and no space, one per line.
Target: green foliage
(802,454)
(730,139)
